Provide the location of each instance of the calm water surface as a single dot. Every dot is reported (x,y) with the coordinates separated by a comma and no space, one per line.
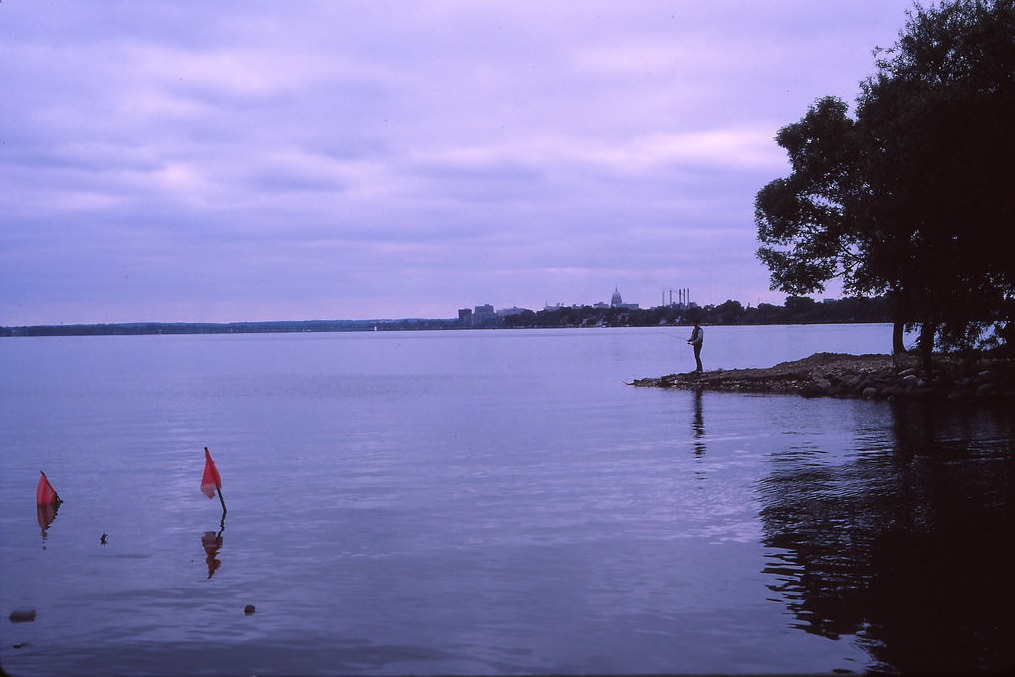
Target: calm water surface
(491,502)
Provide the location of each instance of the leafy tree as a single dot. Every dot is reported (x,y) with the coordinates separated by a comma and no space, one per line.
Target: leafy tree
(728,312)
(913,198)
(809,210)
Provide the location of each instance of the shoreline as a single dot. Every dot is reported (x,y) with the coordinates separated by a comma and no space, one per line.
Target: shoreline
(870,377)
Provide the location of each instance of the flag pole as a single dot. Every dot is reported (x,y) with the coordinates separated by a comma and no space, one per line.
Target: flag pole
(223,502)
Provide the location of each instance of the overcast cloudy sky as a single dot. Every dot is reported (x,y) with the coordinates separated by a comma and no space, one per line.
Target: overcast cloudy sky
(228,160)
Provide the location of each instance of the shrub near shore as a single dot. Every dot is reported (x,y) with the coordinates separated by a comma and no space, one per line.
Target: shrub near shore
(857,376)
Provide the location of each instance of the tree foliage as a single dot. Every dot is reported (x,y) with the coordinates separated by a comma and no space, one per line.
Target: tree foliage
(804,218)
(913,197)
(795,310)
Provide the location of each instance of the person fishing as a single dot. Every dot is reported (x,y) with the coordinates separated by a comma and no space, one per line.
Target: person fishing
(697,336)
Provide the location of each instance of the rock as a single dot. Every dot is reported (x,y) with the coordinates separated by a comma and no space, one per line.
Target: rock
(813,390)
(22,616)
(892,392)
(249,609)
(842,375)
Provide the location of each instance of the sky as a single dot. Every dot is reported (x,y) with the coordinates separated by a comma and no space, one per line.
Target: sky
(244,161)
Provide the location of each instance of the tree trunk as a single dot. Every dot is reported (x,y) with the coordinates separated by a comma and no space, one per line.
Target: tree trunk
(898,345)
(927,330)
(898,324)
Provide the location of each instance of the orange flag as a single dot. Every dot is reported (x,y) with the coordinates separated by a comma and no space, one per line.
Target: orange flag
(45,494)
(211,480)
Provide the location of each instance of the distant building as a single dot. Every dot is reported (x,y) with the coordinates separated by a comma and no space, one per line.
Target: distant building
(683,300)
(616,301)
(484,316)
(514,310)
(480,316)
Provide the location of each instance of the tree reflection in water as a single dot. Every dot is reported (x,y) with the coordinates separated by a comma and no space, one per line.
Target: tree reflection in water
(905,541)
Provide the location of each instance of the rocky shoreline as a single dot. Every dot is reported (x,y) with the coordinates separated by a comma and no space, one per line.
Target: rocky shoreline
(872,377)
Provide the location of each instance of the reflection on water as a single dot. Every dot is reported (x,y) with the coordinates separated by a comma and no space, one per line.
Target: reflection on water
(211,541)
(698,426)
(490,503)
(906,544)
(46,514)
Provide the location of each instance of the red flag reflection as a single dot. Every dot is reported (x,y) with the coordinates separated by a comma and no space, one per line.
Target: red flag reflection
(46,514)
(212,543)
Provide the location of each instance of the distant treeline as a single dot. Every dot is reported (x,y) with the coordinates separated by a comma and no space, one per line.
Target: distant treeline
(796,310)
(275,327)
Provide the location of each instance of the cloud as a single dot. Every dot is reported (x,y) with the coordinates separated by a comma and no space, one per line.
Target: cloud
(256,160)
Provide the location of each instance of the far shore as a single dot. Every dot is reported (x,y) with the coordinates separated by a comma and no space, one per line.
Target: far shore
(872,376)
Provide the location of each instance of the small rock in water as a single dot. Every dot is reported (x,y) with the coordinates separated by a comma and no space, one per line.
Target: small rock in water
(249,609)
(22,616)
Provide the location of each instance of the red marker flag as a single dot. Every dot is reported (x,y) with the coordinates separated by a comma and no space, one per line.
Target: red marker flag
(45,494)
(211,480)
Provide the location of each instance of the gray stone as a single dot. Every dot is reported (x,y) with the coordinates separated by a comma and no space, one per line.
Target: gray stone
(22,616)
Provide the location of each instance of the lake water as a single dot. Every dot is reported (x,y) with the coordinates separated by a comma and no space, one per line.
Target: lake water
(491,502)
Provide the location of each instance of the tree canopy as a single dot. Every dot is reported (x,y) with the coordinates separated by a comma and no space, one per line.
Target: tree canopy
(914,197)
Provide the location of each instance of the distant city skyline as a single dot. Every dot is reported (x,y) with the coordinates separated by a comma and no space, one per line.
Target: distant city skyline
(680,298)
(616,301)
